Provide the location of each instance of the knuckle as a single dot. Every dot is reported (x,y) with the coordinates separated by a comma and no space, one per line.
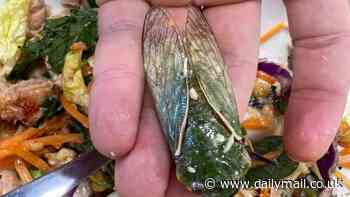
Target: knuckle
(319,94)
(117,73)
(215,3)
(323,41)
(122,26)
(115,17)
(102,2)
(169,3)
(198,3)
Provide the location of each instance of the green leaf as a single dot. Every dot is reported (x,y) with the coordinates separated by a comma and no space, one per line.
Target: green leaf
(61,33)
(223,193)
(282,168)
(309,191)
(87,145)
(109,170)
(100,181)
(92,3)
(58,36)
(32,51)
(280,104)
(268,144)
(36,173)
(51,107)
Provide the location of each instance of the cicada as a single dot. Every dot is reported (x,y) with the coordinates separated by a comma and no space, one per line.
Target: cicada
(194,99)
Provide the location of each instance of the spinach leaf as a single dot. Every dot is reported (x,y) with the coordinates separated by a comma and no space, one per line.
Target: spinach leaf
(61,33)
(223,193)
(268,144)
(87,145)
(109,169)
(92,3)
(58,36)
(282,168)
(280,105)
(51,107)
(31,52)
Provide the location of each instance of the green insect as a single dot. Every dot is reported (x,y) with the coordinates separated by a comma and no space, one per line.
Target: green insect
(194,99)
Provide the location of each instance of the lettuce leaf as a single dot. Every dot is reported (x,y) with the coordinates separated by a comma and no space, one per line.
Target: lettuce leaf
(74,88)
(13,20)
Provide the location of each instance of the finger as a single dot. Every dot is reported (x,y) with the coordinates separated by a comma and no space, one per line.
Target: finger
(237,34)
(321,34)
(176,189)
(118,87)
(206,3)
(148,163)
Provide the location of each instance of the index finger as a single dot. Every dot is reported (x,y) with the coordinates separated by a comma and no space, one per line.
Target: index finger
(237,35)
(194,2)
(118,87)
(321,34)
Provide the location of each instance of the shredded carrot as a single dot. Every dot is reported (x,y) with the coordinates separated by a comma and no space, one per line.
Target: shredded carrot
(255,122)
(18,138)
(78,46)
(30,158)
(344,134)
(7,163)
(54,124)
(345,151)
(344,165)
(344,127)
(71,108)
(266,77)
(43,152)
(343,178)
(344,141)
(22,171)
(344,161)
(55,140)
(5,153)
(265,192)
(273,31)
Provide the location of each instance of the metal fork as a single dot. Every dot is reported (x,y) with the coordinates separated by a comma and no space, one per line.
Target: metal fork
(62,181)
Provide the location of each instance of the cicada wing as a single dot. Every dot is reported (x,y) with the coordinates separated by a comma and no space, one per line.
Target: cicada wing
(166,69)
(210,70)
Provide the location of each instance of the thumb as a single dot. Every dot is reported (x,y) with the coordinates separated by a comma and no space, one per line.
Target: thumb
(322,76)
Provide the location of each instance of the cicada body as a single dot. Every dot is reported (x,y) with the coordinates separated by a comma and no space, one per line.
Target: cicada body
(194,99)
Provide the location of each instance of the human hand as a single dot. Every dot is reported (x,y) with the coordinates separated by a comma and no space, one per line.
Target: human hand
(124,124)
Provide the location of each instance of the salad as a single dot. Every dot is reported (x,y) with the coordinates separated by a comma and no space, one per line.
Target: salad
(46,70)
